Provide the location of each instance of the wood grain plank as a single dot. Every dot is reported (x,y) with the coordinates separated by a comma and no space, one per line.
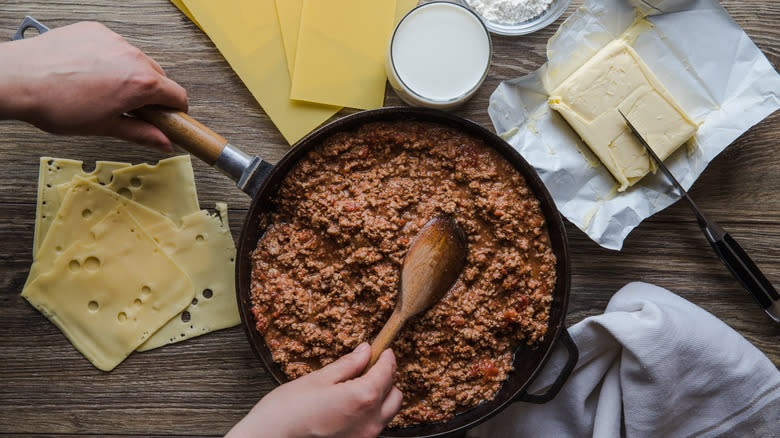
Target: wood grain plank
(201,387)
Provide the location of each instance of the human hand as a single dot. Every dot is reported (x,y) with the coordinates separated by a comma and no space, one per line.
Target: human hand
(334,401)
(80,80)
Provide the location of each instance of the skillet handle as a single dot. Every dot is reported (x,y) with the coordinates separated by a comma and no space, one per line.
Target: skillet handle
(552,391)
(185,131)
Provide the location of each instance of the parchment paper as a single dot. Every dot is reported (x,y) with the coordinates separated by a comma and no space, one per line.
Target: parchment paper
(705,60)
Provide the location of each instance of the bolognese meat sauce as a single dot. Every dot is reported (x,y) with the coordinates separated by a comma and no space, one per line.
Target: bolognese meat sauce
(325,272)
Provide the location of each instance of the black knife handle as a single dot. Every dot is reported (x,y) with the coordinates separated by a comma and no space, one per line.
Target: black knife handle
(747,273)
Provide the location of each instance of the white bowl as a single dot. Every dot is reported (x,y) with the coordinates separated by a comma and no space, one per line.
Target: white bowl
(556,9)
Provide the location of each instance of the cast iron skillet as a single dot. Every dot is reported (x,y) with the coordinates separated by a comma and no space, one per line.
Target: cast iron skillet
(260,180)
(205,144)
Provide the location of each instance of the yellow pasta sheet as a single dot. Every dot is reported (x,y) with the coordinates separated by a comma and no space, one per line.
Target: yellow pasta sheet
(248,35)
(340,58)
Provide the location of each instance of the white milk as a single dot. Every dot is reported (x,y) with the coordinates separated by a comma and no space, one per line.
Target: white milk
(438,56)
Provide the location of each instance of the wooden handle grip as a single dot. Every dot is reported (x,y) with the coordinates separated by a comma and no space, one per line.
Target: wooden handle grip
(385,337)
(185,131)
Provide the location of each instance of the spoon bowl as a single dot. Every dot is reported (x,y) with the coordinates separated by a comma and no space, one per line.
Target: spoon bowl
(431,265)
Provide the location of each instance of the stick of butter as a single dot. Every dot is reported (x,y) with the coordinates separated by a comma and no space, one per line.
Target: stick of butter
(617,78)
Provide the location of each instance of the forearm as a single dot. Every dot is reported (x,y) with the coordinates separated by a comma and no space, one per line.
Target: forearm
(82,79)
(17,91)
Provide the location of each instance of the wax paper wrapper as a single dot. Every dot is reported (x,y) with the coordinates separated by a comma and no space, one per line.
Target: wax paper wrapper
(705,60)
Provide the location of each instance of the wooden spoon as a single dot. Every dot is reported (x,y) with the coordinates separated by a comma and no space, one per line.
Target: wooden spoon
(430,267)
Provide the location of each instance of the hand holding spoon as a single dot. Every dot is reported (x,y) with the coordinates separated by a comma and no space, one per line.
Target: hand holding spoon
(430,267)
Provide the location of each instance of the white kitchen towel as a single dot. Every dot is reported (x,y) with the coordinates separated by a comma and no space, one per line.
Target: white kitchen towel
(653,365)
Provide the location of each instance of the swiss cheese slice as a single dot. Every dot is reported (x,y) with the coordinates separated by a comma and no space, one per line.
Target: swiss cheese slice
(167,187)
(617,78)
(54,172)
(84,205)
(204,248)
(110,293)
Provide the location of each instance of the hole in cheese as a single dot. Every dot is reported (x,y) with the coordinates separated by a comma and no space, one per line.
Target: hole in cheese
(208,293)
(185,316)
(93,306)
(92,264)
(194,301)
(200,238)
(86,213)
(124,191)
(137,302)
(74,265)
(58,248)
(135,181)
(121,317)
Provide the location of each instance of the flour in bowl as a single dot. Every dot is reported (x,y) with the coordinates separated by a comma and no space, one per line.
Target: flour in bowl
(509,11)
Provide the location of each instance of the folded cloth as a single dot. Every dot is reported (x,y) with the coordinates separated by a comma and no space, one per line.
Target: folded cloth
(654,364)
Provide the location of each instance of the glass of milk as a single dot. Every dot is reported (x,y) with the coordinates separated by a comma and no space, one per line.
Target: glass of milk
(438,56)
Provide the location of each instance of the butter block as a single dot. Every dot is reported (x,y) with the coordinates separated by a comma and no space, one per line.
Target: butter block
(109,293)
(617,78)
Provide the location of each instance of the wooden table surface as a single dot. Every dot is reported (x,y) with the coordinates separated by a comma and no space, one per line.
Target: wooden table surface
(203,386)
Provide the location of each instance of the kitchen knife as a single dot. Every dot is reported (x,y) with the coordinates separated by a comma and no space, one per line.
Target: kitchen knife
(731,254)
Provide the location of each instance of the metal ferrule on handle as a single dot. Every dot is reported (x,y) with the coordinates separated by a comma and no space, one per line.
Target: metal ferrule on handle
(247,171)
(232,162)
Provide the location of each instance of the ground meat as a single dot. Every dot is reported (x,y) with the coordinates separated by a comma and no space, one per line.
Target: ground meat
(325,272)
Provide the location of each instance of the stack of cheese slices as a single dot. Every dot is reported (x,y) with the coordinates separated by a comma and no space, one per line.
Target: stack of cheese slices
(124,259)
